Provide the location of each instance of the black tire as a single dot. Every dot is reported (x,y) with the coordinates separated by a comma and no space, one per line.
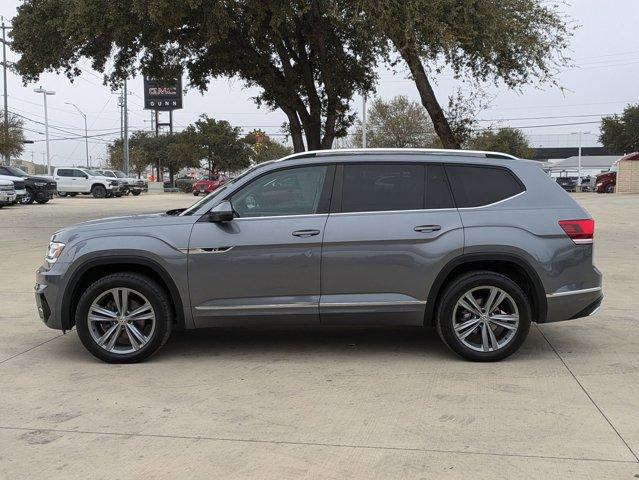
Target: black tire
(28,198)
(74,194)
(42,201)
(610,188)
(135,193)
(196,193)
(156,296)
(445,320)
(118,195)
(98,191)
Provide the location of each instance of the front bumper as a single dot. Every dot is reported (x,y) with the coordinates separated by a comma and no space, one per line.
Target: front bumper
(43,193)
(7,196)
(47,288)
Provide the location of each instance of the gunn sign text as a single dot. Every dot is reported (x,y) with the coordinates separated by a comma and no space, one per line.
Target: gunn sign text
(162,96)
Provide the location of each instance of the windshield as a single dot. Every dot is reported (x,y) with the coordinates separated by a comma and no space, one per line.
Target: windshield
(120,174)
(16,172)
(193,208)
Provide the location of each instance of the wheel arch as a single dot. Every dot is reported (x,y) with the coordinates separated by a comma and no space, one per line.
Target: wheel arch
(513,266)
(96,268)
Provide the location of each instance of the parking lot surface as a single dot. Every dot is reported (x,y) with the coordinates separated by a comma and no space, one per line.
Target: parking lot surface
(342,403)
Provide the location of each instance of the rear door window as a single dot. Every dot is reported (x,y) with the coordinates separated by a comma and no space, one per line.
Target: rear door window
(65,172)
(382,187)
(438,194)
(476,186)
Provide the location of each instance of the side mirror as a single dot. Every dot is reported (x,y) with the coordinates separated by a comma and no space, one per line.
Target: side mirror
(222,212)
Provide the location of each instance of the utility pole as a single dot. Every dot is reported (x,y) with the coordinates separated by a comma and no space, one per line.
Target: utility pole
(126,130)
(4,77)
(86,131)
(579,165)
(46,122)
(364,120)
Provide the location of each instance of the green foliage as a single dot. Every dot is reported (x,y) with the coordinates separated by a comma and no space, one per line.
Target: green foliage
(11,136)
(220,144)
(307,57)
(620,133)
(511,41)
(263,149)
(139,158)
(397,123)
(504,140)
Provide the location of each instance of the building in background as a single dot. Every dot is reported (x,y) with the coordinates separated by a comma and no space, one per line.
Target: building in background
(628,174)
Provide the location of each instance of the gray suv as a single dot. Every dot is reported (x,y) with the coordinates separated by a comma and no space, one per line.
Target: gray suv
(477,244)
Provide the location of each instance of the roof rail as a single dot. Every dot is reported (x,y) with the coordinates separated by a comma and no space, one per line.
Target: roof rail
(434,151)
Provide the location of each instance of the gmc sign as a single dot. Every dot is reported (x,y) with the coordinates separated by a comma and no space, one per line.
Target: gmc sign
(162,97)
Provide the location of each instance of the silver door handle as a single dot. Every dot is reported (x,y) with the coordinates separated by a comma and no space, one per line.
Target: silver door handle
(427,228)
(305,233)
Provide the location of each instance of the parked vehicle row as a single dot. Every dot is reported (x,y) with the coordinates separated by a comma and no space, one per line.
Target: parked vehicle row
(29,188)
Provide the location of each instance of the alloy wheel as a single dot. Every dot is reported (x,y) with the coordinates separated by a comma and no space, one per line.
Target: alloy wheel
(485,318)
(121,320)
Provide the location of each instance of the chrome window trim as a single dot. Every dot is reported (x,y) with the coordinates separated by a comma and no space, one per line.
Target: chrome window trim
(309,215)
(573,292)
(452,209)
(494,203)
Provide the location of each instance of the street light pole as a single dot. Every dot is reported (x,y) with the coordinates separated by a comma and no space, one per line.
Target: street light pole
(126,129)
(46,123)
(86,131)
(4,77)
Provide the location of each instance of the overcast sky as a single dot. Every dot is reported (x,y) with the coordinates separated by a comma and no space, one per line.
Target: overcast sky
(604,49)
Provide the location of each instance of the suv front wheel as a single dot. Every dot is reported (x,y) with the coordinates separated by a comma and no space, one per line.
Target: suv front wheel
(124,318)
(483,316)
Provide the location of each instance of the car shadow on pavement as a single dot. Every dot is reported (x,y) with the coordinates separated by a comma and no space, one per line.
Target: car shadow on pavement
(319,341)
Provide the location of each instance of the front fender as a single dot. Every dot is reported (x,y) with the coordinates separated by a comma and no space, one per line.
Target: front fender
(166,260)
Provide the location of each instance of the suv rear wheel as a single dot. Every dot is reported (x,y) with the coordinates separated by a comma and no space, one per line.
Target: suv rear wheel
(99,191)
(483,316)
(124,318)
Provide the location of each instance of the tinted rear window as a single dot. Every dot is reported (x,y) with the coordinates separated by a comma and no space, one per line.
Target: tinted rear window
(382,187)
(474,186)
(437,190)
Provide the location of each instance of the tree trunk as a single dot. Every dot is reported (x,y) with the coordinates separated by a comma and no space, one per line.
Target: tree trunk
(295,128)
(429,100)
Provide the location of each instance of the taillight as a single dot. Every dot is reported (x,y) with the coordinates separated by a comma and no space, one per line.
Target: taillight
(579,231)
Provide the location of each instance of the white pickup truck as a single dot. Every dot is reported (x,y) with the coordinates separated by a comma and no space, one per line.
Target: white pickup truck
(7,193)
(71,181)
(131,185)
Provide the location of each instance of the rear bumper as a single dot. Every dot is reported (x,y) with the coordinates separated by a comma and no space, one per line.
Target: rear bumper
(573,304)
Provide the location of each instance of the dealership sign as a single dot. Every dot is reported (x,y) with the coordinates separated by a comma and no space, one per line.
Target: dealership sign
(162,96)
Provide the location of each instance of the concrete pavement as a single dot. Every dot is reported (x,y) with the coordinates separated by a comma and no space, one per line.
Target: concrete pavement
(338,403)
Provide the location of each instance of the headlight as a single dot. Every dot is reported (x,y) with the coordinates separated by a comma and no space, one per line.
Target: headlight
(599,184)
(40,184)
(54,251)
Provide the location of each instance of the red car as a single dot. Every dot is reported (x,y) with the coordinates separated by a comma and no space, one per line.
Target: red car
(208,184)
